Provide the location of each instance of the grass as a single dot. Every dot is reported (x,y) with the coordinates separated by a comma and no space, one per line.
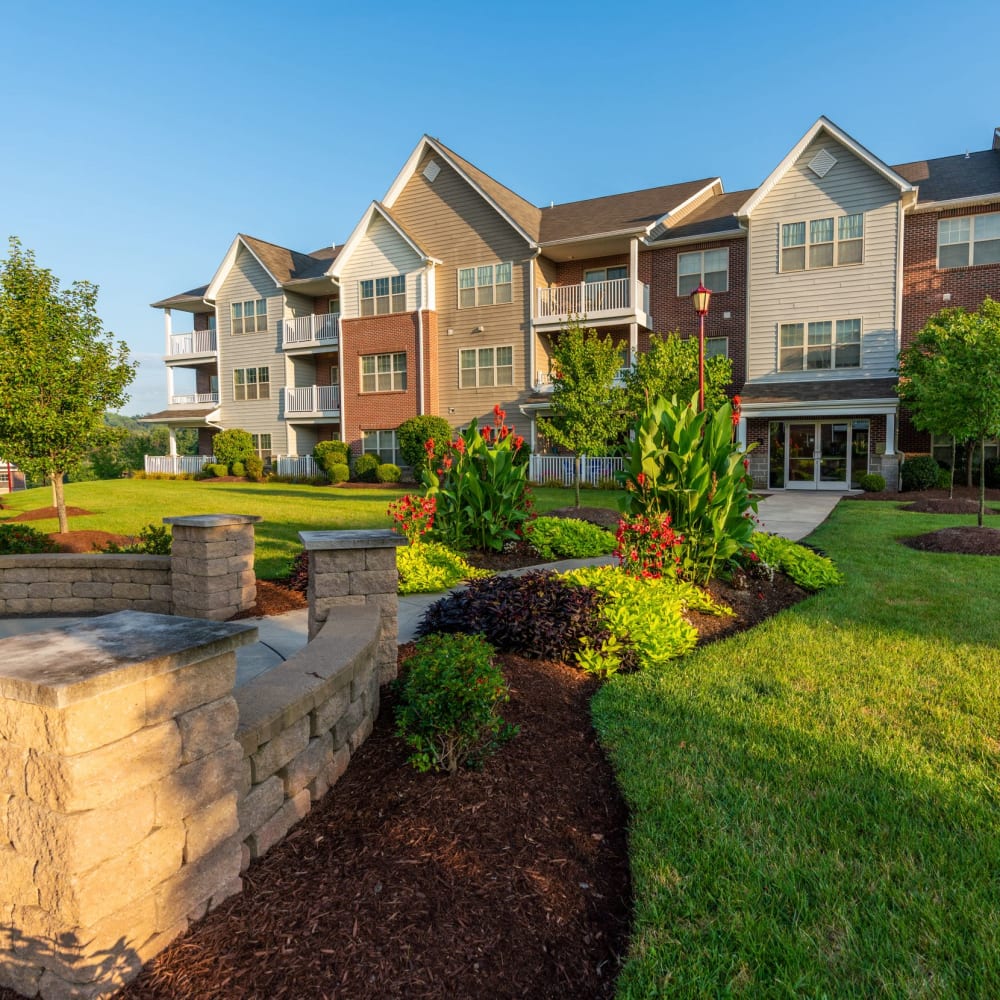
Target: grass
(815,802)
(123,506)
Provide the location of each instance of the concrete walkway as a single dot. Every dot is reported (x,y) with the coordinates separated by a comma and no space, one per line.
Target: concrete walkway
(793,514)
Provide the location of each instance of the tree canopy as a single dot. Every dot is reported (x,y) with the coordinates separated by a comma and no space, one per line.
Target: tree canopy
(950,377)
(59,371)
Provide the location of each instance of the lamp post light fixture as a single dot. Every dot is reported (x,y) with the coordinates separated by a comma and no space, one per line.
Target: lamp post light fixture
(700,298)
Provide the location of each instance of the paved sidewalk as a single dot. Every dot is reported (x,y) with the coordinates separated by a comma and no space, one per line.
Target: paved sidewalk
(796,513)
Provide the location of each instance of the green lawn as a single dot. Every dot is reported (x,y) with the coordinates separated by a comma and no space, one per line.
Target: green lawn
(815,803)
(124,506)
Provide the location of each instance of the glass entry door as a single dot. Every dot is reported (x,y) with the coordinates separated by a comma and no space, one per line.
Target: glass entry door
(817,454)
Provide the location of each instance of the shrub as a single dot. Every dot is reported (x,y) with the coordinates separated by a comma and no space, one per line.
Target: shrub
(330,453)
(255,468)
(153,540)
(872,482)
(238,469)
(216,469)
(992,467)
(366,467)
(413,435)
(430,567)
(339,472)
(608,483)
(943,481)
(807,568)
(233,445)
(449,703)
(388,473)
(21,539)
(568,538)
(919,473)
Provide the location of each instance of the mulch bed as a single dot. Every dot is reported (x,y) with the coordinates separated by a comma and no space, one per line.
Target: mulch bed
(45,512)
(87,541)
(273,598)
(968,540)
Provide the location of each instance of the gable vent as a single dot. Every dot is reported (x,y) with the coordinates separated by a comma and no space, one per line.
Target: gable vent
(431,170)
(822,163)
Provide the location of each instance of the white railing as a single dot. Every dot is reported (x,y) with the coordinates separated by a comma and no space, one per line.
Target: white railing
(291,465)
(196,342)
(311,330)
(313,399)
(544,468)
(543,380)
(194,398)
(587,298)
(173,464)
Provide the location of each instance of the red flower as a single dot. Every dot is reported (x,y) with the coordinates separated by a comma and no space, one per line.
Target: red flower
(499,416)
(487,434)
(459,445)
(641,479)
(518,441)
(429,446)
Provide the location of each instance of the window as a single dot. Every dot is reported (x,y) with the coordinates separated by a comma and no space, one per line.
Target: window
(941,450)
(383,372)
(250,317)
(484,285)
(831,241)
(380,296)
(706,267)
(262,445)
(604,274)
(824,344)
(251,383)
(381,443)
(485,366)
(716,347)
(971,240)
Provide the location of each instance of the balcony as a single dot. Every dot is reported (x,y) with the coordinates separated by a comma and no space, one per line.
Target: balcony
(543,380)
(197,343)
(302,332)
(601,303)
(195,399)
(312,401)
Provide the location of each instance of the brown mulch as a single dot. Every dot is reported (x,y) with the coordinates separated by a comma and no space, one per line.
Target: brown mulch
(970,493)
(942,505)
(968,540)
(87,541)
(44,512)
(273,598)
(601,516)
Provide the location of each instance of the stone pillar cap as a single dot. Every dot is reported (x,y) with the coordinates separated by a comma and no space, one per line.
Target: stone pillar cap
(373,538)
(213,520)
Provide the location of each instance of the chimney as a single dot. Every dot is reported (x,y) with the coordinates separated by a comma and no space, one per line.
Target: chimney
(996,138)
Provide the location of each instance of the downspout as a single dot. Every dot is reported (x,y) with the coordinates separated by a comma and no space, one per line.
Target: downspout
(422,296)
(532,354)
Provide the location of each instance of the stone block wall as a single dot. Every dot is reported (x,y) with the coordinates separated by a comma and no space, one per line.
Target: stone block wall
(118,796)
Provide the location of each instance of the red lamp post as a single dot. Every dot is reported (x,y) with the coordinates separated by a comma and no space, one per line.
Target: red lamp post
(700,298)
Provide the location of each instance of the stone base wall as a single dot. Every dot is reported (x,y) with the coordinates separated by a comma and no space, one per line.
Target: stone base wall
(68,584)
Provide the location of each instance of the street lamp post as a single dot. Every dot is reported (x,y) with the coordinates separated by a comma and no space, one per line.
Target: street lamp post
(700,298)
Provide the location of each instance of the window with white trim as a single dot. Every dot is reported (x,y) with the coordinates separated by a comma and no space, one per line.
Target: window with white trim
(251,383)
(485,285)
(820,243)
(941,450)
(819,345)
(381,443)
(716,347)
(380,296)
(485,366)
(703,267)
(249,317)
(970,240)
(383,372)
(262,446)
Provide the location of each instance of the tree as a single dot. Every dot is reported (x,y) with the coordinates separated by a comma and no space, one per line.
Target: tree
(59,371)
(414,433)
(232,446)
(950,378)
(670,368)
(587,407)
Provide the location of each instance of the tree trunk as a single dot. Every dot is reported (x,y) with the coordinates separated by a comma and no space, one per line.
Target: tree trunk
(951,482)
(576,469)
(60,504)
(970,454)
(52,484)
(982,480)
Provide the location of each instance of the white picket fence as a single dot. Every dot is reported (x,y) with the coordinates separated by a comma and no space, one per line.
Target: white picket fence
(173,464)
(545,468)
(295,465)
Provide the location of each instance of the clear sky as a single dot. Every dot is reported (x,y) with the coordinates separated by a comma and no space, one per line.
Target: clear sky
(137,139)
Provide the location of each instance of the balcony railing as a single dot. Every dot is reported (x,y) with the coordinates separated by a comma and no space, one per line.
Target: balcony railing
(312,399)
(194,398)
(543,380)
(307,330)
(196,342)
(590,298)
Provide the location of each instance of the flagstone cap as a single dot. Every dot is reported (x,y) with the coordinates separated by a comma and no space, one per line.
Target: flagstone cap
(213,520)
(374,538)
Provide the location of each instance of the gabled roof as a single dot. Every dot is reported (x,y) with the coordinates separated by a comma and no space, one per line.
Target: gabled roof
(522,216)
(375,208)
(192,297)
(633,212)
(823,124)
(714,217)
(952,178)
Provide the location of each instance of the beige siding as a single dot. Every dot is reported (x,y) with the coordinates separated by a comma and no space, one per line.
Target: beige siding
(248,280)
(865,291)
(382,252)
(454,224)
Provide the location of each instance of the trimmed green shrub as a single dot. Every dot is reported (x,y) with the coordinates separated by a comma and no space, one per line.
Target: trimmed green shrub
(238,469)
(412,435)
(330,453)
(388,473)
(430,567)
(153,540)
(568,538)
(807,568)
(216,469)
(449,703)
(919,473)
(21,539)
(872,482)
(233,445)
(943,481)
(339,472)
(366,467)
(255,468)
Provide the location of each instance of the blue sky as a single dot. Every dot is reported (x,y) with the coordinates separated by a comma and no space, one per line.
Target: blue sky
(138,139)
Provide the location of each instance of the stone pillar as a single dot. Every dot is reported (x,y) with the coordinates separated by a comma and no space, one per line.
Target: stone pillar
(118,787)
(212,565)
(352,568)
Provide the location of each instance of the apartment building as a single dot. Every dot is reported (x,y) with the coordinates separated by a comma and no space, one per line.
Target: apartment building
(452,289)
